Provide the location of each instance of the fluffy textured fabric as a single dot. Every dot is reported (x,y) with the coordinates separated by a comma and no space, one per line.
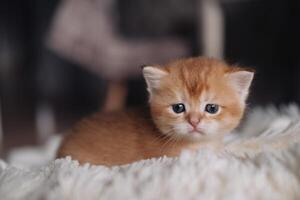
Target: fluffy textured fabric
(260,161)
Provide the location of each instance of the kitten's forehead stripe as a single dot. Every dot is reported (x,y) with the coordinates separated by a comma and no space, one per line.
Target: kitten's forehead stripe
(197,74)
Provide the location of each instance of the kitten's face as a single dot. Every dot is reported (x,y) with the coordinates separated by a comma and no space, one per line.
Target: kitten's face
(197,98)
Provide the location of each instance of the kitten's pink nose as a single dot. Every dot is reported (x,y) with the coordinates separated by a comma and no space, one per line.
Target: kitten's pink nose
(194,121)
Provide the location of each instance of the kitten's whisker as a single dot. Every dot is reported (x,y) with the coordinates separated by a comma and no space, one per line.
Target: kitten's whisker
(173,143)
(169,142)
(162,136)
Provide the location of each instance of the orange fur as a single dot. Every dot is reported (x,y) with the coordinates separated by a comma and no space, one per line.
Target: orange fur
(127,136)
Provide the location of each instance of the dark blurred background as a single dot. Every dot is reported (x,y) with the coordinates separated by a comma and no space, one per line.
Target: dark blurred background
(60,60)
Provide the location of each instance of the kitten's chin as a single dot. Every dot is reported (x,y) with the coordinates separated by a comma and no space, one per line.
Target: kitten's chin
(198,136)
(193,136)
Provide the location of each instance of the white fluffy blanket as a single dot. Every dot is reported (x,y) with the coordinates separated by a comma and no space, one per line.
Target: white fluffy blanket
(260,161)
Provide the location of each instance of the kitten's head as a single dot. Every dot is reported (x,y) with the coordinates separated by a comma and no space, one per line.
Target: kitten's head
(197,98)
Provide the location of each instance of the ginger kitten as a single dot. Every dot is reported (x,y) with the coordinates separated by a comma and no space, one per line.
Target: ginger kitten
(192,101)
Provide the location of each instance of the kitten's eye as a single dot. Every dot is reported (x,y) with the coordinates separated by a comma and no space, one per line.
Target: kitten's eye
(178,108)
(212,108)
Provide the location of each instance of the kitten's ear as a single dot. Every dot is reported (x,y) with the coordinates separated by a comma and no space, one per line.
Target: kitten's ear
(241,81)
(153,76)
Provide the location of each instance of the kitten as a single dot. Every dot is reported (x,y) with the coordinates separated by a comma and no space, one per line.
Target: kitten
(192,101)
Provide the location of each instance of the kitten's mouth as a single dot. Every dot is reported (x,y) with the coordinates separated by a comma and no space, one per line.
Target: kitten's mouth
(195,131)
